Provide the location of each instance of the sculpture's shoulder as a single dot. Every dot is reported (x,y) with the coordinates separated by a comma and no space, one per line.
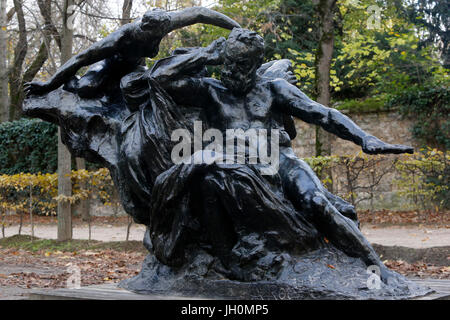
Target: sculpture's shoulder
(124,35)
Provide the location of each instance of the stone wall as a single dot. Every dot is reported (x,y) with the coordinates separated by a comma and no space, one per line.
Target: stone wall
(389,127)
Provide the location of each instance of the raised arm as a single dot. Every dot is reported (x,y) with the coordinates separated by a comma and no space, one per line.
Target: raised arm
(181,65)
(175,73)
(100,50)
(291,100)
(193,15)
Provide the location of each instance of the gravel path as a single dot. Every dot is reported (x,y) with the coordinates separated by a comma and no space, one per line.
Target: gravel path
(412,237)
(98,232)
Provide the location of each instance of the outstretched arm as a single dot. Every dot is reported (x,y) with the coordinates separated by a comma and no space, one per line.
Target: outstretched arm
(193,15)
(173,74)
(100,50)
(178,66)
(293,101)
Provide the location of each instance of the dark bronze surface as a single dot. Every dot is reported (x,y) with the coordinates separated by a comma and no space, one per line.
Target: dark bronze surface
(219,229)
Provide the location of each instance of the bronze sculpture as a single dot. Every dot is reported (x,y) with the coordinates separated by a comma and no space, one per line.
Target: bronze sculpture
(223,229)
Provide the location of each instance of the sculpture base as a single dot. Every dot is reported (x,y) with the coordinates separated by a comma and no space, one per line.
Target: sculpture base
(112,292)
(321,274)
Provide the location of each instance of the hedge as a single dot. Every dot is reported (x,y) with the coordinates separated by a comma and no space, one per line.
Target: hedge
(28,145)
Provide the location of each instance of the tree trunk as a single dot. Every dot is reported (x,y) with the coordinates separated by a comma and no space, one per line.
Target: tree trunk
(20,221)
(3,215)
(83,206)
(16,80)
(64,157)
(3,66)
(325,10)
(130,222)
(15,72)
(31,211)
(126,11)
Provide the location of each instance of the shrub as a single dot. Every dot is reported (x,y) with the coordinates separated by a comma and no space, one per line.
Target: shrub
(429,107)
(367,105)
(425,178)
(39,192)
(359,176)
(28,146)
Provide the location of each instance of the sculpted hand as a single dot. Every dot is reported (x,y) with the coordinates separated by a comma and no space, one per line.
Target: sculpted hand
(291,78)
(35,88)
(373,145)
(215,51)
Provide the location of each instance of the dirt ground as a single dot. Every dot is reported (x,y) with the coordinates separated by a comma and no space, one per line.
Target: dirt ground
(406,245)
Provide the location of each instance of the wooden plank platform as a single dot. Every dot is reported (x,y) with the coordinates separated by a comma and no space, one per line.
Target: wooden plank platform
(112,292)
(99,292)
(442,288)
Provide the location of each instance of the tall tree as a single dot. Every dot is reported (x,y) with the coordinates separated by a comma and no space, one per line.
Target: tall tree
(83,207)
(434,16)
(126,11)
(324,55)
(64,157)
(15,72)
(3,65)
(17,75)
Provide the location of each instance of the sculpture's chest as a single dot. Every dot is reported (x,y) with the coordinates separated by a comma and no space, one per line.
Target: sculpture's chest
(253,106)
(258,105)
(140,45)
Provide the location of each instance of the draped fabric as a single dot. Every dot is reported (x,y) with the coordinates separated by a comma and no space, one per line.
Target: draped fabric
(187,205)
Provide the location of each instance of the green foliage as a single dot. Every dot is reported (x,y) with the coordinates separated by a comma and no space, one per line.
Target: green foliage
(28,146)
(39,192)
(370,104)
(429,107)
(431,17)
(368,63)
(425,178)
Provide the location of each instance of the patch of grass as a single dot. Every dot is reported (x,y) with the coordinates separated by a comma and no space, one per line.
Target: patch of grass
(368,105)
(36,244)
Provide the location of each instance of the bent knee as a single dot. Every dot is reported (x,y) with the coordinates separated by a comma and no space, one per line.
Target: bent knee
(311,198)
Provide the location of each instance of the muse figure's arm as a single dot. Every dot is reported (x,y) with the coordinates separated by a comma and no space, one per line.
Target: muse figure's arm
(135,36)
(293,101)
(193,15)
(178,66)
(100,50)
(173,74)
